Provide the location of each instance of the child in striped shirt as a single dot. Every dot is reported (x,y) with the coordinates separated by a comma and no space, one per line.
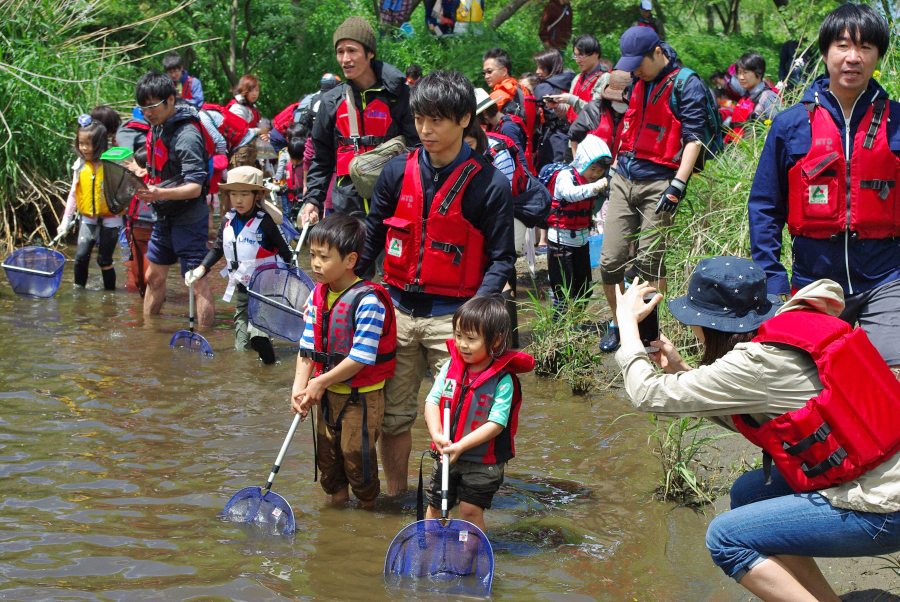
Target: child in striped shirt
(348,347)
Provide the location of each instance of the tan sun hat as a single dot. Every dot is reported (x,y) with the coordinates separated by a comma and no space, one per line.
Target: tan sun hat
(618,82)
(483,100)
(244,178)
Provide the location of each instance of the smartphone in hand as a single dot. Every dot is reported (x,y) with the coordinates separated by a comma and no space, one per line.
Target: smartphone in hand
(648,328)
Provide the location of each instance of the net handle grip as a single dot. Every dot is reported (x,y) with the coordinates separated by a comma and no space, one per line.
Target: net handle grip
(284,447)
(445,465)
(191,307)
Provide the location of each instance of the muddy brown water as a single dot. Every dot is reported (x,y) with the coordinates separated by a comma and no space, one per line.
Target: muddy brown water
(117,452)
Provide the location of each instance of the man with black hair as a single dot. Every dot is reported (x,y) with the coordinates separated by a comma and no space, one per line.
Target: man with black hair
(589,83)
(177,161)
(511,97)
(659,145)
(447,194)
(759,101)
(189,88)
(828,171)
(354,117)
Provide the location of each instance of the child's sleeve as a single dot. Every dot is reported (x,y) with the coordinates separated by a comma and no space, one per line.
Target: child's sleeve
(568,192)
(502,401)
(370,316)
(70,200)
(308,340)
(434,396)
(282,165)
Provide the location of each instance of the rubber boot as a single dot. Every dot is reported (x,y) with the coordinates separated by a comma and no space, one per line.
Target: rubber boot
(81,274)
(263,346)
(109,279)
(511,308)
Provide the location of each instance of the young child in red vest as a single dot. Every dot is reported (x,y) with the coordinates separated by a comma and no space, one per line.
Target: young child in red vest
(480,384)
(348,346)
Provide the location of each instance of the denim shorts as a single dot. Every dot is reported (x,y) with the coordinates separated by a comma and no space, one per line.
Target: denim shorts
(183,243)
(767,520)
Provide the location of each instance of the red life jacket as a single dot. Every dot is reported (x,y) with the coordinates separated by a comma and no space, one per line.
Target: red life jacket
(160,170)
(440,253)
(608,130)
(285,118)
(470,404)
(256,116)
(584,89)
(524,111)
(294,181)
(505,143)
(373,124)
(820,204)
(334,328)
(233,127)
(652,132)
(186,92)
(848,428)
(569,216)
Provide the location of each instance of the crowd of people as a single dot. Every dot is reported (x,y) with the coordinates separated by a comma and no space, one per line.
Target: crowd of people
(436,184)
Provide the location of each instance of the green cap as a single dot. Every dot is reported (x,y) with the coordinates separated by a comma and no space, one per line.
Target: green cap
(117,153)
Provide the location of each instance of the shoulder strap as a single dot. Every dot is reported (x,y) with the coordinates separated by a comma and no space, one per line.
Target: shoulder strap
(877,117)
(352,116)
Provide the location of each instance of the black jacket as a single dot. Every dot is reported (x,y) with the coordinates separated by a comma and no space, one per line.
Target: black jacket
(188,162)
(325,135)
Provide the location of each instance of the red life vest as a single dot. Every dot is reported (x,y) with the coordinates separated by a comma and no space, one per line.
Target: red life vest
(440,253)
(373,125)
(470,404)
(524,111)
(334,328)
(186,92)
(820,204)
(160,170)
(569,216)
(293,181)
(505,143)
(233,127)
(652,132)
(848,428)
(253,110)
(608,130)
(584,89)
(285,118)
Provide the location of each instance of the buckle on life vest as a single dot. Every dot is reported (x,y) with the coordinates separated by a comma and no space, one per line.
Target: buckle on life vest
(883,185)
(319,357)
(820,436)
(661,130)
(234,265)
(414,288)
(832,461)
(447,247)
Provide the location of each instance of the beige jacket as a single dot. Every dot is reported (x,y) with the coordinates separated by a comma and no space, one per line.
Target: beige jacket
(764,381)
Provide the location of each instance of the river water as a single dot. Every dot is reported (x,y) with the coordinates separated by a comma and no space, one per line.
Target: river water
(117,452)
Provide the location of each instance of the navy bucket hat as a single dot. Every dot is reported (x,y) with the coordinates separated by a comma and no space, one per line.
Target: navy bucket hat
(727,294)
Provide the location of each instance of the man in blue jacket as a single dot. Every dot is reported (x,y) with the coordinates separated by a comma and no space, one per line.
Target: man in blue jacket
(829,172)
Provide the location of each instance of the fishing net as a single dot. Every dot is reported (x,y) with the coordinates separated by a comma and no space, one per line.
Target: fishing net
(119,186)
(191,341)
(277,294)
(269,512)
(34,271)
(429,556)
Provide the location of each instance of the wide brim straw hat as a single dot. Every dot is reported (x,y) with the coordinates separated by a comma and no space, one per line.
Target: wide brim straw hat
(244,178)
(483,100)
(726,294)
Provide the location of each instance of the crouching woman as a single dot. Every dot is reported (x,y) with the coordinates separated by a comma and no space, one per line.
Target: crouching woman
(835,488)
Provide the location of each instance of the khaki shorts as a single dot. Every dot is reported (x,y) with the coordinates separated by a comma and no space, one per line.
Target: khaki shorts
(420,342)
(339,450)
(631,218)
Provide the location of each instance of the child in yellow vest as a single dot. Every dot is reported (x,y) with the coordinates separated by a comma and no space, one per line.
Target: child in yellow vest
(98,223)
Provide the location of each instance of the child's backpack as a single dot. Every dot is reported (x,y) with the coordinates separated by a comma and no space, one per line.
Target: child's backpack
(713,139)
(548,171)
(233,127)
(505,143)
(297,112)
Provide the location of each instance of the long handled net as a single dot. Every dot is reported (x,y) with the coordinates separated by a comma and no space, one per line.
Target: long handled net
(119,186)
(277,294)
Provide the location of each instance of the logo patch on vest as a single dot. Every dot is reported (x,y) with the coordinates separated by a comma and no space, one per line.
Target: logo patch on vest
(449,388)
(396,247)
(818,195)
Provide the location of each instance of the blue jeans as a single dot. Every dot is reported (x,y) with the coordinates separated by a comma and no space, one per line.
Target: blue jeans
(767,520)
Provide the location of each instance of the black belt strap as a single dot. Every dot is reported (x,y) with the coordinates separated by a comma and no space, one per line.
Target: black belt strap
(361,140)
(819,436)
(883,185)
(877,116)
(832,461)
(447,247)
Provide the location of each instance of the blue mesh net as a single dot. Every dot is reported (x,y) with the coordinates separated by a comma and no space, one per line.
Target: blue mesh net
(191,341)
(35,271)
(429,556)
(269,512)
(277,295)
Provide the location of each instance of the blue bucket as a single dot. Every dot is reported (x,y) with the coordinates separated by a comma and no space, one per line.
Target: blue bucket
(35,272)
(595,243)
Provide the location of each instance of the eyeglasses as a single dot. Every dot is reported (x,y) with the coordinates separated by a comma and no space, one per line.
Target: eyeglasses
(148,107)
(579,56)
(488,71)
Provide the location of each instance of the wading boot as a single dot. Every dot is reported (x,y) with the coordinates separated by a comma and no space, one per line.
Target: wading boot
(263,346)
(109,279)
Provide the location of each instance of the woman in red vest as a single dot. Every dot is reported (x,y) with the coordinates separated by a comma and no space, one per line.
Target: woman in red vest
(762,373)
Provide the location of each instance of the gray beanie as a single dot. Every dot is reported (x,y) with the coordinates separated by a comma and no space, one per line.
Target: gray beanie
(358,30)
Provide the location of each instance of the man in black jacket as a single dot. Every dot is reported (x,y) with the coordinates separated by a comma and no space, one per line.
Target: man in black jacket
(381,107)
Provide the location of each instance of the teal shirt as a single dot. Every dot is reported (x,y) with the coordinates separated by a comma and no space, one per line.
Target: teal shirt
(502,396)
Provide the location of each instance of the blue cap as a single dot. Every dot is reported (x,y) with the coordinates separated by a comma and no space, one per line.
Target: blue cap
(635,44)
(137,113)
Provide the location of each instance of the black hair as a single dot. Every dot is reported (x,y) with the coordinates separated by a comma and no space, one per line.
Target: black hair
(414,70)
(587,45)
(718,75)
(487,316)
(107,115)
(340,231)
(153,84)
(140,156)
(752,61)
(447,94)
(550,61)
(490,111)
(474,131)
(172,61)
(99,140)
(532,78)
(716,343)
(861,22)
(499,55)
(296,130)
(296,146)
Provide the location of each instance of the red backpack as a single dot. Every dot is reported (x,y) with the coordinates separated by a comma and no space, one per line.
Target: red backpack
(233,127)
(285,118)
(505,143)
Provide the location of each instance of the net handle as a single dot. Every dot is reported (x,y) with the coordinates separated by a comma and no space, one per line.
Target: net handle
(284,446)
(191,307)
(445,464)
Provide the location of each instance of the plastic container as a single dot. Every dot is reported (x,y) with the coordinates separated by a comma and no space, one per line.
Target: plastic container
(595,243)
(35,272)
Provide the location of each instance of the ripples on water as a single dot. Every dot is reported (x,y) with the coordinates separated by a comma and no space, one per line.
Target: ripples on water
(117,453)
